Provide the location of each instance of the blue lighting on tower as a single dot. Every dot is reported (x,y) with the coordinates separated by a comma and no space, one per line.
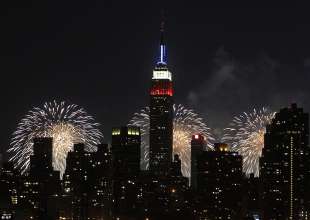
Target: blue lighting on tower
(162,57)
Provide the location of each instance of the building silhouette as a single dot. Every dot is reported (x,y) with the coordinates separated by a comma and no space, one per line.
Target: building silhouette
(252,198)
(42,185)
(161,113)
(126,144)
(41,161)
(87,184)
(126,148)
(102,182)
(198,145)
(285,165)
(219,182)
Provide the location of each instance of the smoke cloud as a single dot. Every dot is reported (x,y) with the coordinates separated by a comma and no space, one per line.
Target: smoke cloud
(234,86)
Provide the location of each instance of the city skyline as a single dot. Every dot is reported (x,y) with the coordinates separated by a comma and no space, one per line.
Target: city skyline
(215,54)
(222,138)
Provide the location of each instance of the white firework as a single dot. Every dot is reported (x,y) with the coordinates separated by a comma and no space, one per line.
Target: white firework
(245,134)
(185,124)
(66,124)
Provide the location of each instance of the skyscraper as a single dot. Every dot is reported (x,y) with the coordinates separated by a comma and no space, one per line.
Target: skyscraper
(87,184)
(198,144)
(219,182)
(41,160)
(43,183)
(77,180)
(126,143)
(161,113)
(285,165)
(101,180)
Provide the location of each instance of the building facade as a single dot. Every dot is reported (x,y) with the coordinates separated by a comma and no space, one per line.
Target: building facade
(198,145)
(219,182)
(126,144)
(285,166)
(42,185)
(87,184)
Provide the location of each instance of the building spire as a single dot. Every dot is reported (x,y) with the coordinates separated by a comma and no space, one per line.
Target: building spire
(162,30)
(162,59)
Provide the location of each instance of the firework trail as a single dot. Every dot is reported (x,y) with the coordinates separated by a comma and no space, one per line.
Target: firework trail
(185,123)
(245,134)
(66,124)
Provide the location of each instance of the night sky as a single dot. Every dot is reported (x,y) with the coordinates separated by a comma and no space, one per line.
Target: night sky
(225,59)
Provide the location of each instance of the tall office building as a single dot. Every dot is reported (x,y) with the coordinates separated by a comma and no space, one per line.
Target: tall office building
(126,144)
(285,165)
(102,181)
(198,145)
(219,182)
(161,113)
(43,183)
(87,184)
(41,161)
(77,181)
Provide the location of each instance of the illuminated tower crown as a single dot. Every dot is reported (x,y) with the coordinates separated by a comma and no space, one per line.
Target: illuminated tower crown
(161,71)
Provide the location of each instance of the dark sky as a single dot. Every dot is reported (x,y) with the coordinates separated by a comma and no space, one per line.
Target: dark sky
(225,59)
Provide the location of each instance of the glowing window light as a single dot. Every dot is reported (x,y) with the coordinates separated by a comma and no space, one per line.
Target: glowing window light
(116,132)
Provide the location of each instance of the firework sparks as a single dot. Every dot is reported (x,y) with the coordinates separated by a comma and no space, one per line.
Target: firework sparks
(66,124)
(185,123)
(245,134)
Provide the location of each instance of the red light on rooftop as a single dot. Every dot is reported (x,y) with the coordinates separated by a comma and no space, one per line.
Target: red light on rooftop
(198,137)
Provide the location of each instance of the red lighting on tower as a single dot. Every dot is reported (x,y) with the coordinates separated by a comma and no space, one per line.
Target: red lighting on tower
(162,88)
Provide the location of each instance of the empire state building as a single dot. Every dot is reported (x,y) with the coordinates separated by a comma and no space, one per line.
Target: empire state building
(161,113)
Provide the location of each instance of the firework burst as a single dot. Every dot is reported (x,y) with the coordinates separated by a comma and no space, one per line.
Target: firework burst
(66,124)
(245,134)
(185,123)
